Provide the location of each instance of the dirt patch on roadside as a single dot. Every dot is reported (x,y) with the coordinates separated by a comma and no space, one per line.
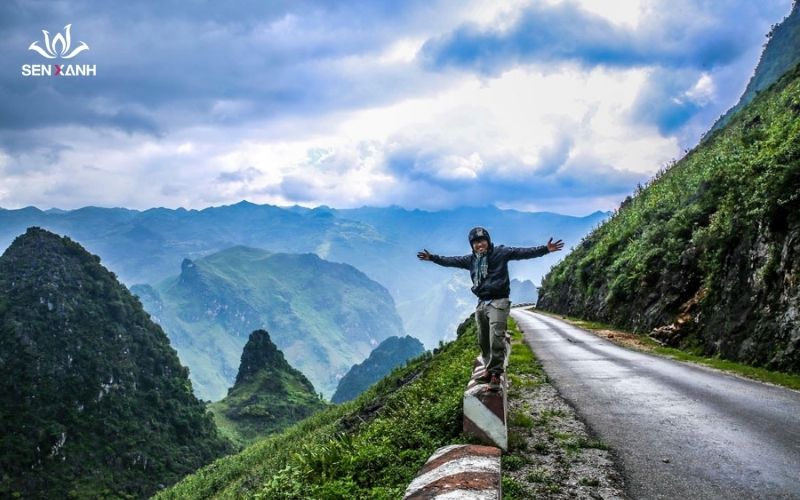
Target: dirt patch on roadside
(625,339)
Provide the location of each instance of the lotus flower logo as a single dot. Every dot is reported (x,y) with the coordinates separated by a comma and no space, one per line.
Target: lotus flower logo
(58,46)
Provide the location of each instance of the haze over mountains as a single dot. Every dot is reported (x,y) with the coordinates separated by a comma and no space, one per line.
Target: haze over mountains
(145,247)
(324,316)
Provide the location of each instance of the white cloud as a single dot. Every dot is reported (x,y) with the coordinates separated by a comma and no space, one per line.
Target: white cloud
(499,128)
(703,91)
(620,12)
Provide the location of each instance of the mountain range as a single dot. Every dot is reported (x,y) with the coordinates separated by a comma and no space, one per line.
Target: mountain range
(146,247)
(323,316)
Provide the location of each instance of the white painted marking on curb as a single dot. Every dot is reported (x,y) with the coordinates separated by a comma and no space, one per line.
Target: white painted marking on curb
(469,495)
(441,451)
(464,464)
(485,420)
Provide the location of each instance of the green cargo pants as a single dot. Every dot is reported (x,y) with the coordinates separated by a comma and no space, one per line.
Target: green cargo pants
(492,319)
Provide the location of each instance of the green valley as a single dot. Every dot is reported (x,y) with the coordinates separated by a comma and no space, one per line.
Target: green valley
(323,316)
(368,448)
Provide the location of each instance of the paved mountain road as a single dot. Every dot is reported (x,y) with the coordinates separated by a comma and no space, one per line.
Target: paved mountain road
(679,430)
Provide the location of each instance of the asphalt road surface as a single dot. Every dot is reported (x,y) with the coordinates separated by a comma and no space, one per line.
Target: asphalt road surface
(678,430)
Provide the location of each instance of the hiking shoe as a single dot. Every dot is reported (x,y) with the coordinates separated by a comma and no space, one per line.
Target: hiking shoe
(484,378)
(495,383)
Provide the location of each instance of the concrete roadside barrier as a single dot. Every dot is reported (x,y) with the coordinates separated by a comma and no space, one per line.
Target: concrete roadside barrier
(464,471)
(485,410)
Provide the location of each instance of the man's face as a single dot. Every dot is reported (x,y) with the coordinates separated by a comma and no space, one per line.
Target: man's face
(480,246)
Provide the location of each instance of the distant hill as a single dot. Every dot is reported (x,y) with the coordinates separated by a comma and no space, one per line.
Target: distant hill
(707,257)
(145,247)
(93,400)
(323,316)
(268,396)
(523,292)
(779,56)
(390,354)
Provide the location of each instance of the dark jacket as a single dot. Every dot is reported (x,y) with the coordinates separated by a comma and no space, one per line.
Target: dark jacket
(497,284)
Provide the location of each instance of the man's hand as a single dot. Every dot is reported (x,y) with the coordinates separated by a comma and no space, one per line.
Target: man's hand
(554,247)
(424,255)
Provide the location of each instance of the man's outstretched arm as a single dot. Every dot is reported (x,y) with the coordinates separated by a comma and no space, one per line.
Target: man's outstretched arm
(462,262)
(518,253)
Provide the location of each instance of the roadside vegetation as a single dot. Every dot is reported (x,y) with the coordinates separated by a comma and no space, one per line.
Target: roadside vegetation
(647,344)
(369,448)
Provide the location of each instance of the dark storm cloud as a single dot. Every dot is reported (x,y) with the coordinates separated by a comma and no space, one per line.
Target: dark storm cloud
(564,32)
(554,177)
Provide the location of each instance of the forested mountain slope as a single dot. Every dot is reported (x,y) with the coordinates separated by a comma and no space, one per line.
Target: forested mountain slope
(93,400)
(268,396)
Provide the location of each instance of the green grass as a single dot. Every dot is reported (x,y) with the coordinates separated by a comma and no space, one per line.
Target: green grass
(520,419)
(789,380)
(596,444)
(523,372)
(538,476)
(513,462)
(513,489)
(523,367)
(521,361)
(782,379)
(585,481)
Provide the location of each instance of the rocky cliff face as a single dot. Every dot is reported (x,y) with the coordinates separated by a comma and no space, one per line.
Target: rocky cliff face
(707,256)
(93,400)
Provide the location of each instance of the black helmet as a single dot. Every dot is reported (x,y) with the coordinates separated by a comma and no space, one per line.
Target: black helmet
(478,233)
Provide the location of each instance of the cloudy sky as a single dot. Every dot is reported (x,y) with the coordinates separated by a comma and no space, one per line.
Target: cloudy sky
(539,105)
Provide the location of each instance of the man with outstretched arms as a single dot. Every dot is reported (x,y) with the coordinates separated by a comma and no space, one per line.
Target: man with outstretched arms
(488,267)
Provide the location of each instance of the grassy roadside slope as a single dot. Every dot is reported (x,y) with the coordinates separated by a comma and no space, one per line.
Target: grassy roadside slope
(368,448)
(552,454)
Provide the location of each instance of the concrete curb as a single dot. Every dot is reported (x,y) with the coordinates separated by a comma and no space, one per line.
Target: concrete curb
(459,471)
(485,410)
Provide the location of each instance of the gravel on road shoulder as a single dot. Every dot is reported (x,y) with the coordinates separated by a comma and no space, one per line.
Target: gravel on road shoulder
(552,454)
